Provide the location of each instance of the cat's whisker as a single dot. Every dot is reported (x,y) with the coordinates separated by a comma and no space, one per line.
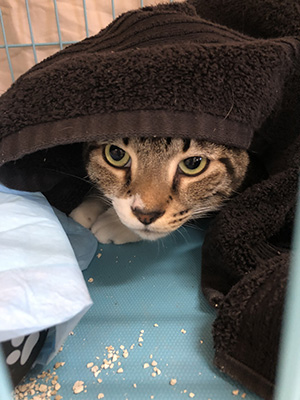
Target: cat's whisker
(84,179)
(193,225)
(173,236)
(182,228)
(103,199)
(160,242)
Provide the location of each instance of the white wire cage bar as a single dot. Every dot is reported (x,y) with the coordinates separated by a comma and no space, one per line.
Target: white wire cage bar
(288,386)
(34,44)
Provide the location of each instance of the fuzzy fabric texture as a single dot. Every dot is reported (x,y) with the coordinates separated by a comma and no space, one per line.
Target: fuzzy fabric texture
(221,70)
(247,249)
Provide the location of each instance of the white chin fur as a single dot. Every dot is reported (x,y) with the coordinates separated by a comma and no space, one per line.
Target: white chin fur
(123,210)
(149,235)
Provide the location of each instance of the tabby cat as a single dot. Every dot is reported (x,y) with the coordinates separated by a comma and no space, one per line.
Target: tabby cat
(155,185)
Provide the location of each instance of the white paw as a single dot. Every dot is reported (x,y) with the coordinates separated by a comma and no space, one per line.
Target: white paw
(88,212)
(109,229)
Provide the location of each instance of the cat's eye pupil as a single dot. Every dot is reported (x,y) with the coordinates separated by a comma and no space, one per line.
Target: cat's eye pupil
(192,162)
(116,153)
(116,156)
(193,166)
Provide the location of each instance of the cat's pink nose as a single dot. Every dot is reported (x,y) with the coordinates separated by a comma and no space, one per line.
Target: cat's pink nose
(146,218)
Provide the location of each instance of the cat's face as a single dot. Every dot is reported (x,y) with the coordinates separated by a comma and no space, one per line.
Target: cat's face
(156,185)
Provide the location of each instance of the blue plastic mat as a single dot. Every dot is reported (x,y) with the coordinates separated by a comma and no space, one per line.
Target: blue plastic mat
(147,300)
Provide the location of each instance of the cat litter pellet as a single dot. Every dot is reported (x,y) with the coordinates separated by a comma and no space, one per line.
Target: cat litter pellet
(43,388)
(78,387)
(58,365)
(173,382)
(125,353)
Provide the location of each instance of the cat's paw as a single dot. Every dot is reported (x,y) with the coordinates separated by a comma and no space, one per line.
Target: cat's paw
(109,229)
(87,212)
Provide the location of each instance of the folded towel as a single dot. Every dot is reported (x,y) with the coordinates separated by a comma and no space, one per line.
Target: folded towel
(157,71)
(225,71)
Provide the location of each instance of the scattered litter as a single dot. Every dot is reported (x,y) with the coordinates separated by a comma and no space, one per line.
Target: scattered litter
(173,382)
(235,392)
(125,353)
(191,395)
(78,387)
(90,280)
(183,331)
(59,364)
(43,388)
(99,255)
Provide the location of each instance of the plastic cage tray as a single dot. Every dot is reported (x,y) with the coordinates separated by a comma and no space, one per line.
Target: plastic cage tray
(147,300)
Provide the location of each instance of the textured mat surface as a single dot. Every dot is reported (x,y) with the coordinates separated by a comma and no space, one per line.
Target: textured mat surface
(147,299)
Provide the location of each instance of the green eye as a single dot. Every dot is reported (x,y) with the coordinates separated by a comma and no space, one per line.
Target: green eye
(116,156)
(193,165)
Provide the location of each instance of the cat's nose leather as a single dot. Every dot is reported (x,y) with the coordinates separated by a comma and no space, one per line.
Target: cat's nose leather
(147,218)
